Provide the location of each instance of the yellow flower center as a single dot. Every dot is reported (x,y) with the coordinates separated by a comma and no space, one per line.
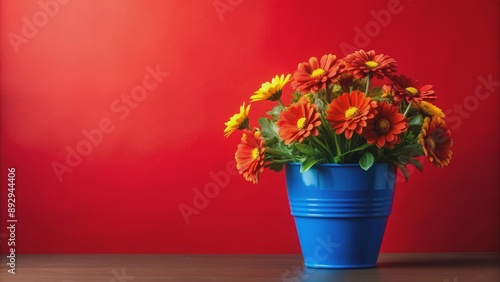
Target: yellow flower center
(255,154)
(352,112)
(371,64)
(318,73)
(431,143)
(412,91)
(301,122)
(383,126)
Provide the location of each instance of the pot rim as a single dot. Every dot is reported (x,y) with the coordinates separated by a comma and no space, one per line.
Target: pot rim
(340,165)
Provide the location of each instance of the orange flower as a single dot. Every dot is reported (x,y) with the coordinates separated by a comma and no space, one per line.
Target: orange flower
(361,64)
(436,141)
(250,155)
(428,109)
(385,128)
(298,122)
(313,76)
(389,93)
(412,90)
(349,113)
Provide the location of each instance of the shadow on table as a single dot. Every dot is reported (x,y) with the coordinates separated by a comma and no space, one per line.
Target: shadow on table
(344,275)
(447,268)
(439,262)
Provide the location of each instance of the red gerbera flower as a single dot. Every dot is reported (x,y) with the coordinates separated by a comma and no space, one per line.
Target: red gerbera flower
(361,64)
(349,113)
(436,141)
(298,122)
(385,128)
(412,90)
(313,76)
(250,155)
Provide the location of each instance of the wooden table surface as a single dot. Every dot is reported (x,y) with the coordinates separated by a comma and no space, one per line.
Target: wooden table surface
(442,267)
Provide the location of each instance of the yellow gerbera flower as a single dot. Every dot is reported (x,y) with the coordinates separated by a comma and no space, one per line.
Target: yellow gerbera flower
(271,90)
(428,109)
(237,121)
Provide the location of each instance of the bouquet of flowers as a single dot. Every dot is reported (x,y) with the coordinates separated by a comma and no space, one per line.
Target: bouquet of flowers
(351,110)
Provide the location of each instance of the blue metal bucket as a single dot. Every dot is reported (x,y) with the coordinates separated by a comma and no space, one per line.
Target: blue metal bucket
(340,212)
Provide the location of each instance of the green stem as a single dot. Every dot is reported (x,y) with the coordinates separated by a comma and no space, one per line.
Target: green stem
(353,142)
(278,162)
(362,147)
(281,103)
(326,148)
(337,145)
(328,95)
(408,108)
(367,83)
(380,153)
(275,152)
(326,130)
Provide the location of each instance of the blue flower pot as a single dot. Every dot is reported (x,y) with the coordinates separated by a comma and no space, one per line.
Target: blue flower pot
(340,212)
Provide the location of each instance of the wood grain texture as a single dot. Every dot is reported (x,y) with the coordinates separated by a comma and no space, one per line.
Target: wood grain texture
(443,267)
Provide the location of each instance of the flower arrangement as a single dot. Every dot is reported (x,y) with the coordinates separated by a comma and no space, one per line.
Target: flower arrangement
(351,110)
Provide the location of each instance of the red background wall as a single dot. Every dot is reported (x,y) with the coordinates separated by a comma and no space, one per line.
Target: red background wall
(67,65)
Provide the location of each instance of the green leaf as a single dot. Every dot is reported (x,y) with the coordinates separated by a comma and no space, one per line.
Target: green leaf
(269,129)
(375,93)
(305,149)
(336,88)
(279,152)
(335,91)
(360,148)
(276,167)
(403,169)
(273,142)
(416,163)
(412,150)
(366,160)
(417,120)
(307,164)
(275,112)
(296,96)
(320,104)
